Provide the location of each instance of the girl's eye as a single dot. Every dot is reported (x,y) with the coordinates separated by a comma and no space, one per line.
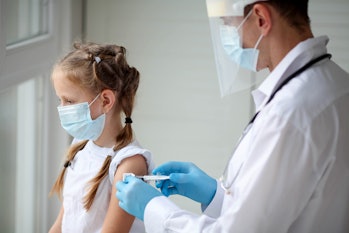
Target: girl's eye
(65,101)
(68,102)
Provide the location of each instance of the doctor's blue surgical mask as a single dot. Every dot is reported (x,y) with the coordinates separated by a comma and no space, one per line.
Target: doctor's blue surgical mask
(231,40)
(76,120)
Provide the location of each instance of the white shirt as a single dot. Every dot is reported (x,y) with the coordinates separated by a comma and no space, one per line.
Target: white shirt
(83,168)
(294,176)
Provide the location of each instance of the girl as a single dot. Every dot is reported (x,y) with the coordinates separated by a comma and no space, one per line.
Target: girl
(96,86)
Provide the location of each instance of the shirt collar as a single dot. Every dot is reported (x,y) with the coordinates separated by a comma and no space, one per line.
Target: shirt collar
(294,60)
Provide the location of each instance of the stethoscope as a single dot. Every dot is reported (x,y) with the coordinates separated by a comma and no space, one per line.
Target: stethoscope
(223,179)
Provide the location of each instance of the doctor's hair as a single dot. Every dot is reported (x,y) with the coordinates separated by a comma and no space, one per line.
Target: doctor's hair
(295,12)
(97,67)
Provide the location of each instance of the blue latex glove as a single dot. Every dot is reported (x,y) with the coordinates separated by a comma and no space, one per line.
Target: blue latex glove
(187,180)
(134,195)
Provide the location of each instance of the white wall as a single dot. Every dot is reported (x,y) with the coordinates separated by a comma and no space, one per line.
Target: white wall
(332,18)
(180,115)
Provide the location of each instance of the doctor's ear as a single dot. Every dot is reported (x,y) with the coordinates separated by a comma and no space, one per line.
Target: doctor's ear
(263,14)
(108,98)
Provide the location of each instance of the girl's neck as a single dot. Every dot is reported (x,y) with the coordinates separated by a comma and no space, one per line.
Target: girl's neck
(111,129)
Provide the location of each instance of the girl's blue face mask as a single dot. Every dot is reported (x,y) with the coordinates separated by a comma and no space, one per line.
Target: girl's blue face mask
(76,120)
(244,57)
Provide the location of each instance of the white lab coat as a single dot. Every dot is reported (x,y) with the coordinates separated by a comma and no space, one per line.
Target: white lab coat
(295,172)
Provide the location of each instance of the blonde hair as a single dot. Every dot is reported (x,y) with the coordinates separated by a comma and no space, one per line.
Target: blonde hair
(98,67)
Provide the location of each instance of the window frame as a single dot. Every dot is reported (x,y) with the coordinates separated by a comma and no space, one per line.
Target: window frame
(35,57)
(43,47)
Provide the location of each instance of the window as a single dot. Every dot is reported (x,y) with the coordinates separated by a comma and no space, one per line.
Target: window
(25,19)
(21,160)
(31,140)
(7,160)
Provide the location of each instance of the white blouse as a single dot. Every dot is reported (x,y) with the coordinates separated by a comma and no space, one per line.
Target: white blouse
(83,168)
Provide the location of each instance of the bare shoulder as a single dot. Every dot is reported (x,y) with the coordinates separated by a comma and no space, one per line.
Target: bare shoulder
(136,164)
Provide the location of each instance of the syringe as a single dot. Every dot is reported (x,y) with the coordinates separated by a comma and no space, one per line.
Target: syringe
(146,177)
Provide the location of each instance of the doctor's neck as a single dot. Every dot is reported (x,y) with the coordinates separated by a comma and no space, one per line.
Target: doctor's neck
(282,40)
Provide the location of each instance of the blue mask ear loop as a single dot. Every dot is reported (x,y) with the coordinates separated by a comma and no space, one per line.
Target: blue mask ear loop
(240,25)
(258,41)
(94,100)
(89,105)
(244,20)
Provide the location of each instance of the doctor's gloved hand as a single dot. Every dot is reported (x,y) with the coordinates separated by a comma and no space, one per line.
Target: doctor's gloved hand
(134,195)
(187,180)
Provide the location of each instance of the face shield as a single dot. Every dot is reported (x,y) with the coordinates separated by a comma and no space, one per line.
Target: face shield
(233,63)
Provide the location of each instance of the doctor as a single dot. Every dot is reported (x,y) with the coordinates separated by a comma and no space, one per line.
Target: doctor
(290,170)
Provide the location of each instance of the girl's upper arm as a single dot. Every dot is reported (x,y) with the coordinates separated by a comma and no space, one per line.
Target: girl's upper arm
(117,220)
(57,225)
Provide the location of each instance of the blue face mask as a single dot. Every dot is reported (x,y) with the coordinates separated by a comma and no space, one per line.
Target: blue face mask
(244,57)
(76,120)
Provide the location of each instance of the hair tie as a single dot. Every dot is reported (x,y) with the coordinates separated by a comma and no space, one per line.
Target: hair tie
(128,120)
(67,164)
(97,59)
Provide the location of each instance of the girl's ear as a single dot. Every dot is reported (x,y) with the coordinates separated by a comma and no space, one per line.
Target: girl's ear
(108,98)
(264,17)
